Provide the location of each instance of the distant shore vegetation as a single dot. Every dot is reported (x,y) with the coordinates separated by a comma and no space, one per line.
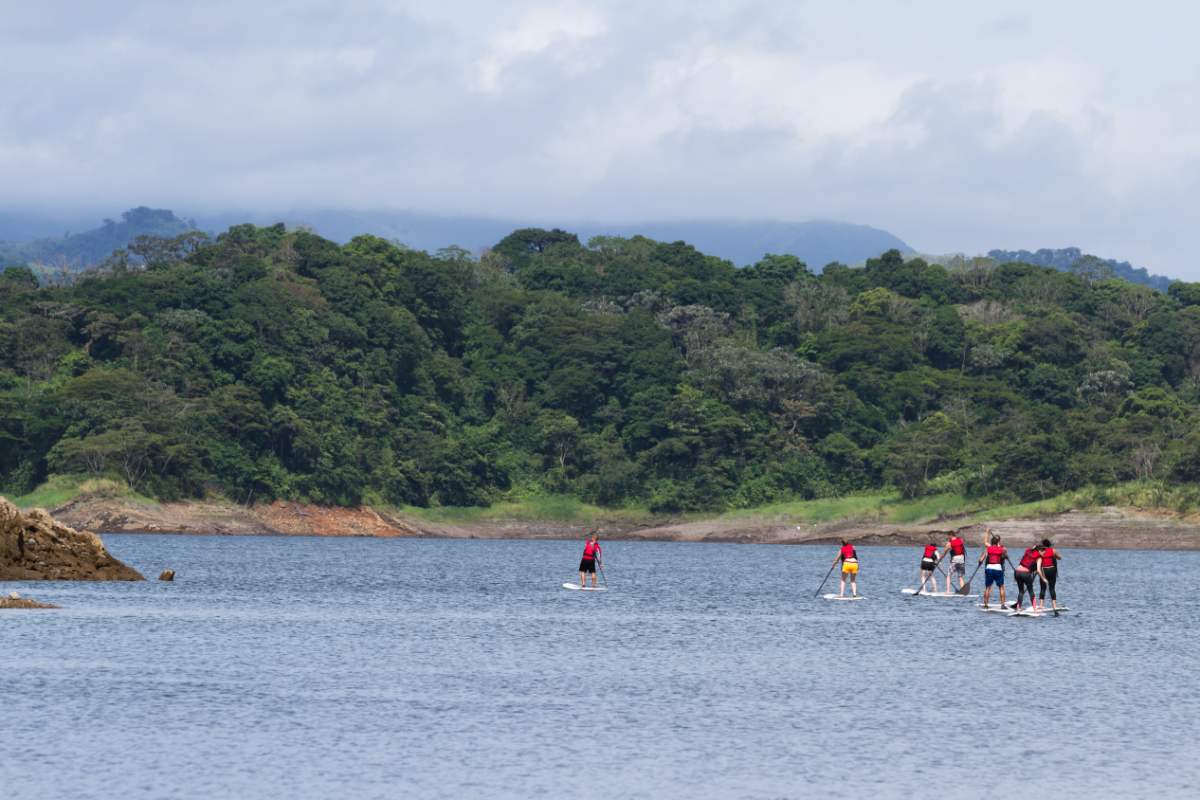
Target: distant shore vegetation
(268,363)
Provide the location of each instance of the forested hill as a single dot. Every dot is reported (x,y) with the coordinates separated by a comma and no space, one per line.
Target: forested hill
(818,242)
(270,363)
(1068,259)
(79,251)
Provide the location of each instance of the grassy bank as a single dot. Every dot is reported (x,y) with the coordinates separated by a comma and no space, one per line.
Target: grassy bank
(952,509)
(551,508)
(61,489)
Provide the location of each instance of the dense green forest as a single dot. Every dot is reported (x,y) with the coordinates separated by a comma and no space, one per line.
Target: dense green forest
(269,363)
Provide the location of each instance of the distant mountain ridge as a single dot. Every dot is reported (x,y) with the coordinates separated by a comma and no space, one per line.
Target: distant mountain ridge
(79,251)
(817,242)
(1064,259)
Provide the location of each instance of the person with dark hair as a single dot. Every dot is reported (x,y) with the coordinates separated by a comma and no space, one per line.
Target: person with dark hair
(1023,573)
(849,558)
(591,557)
(956,548)
(1047,568)
(929,561)
(995,554)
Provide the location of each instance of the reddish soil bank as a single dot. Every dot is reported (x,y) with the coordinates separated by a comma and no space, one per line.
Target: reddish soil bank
(1106,528)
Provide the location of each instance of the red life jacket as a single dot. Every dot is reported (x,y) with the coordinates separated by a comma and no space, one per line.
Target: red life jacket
(956,547)
(1030,558)
(1048,558)
(591,550)
(930,552)
(848,552)
(995,554)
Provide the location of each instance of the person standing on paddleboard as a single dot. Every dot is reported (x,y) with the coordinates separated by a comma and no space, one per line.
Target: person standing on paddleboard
(956,548)
(929,561)
(1048,573)
(995,554)
(591,557)
(849,558)
(1023,573)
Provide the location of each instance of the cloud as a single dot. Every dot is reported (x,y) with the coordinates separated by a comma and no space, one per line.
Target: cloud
(952,127)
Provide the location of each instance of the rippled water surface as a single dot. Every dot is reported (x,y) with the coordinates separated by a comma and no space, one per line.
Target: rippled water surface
(298,668)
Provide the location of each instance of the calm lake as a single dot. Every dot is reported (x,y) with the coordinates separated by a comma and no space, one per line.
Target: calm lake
(367,668)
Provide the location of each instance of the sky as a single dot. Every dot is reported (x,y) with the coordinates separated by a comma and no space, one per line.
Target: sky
(956,126)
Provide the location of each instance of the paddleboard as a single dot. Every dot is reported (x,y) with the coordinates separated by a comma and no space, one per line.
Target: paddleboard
(937,594)
(1029,612)
(996,609)
(575,587)
(847,597)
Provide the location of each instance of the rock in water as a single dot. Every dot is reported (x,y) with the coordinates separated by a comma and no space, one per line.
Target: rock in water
(167,575)
(23,602)
(33,547)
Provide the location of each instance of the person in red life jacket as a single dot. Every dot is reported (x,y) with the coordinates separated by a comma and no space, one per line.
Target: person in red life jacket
(1024,573)
(956,548)
(929,560)
(1047,569)
(995,554)
(849,558)
(591,557)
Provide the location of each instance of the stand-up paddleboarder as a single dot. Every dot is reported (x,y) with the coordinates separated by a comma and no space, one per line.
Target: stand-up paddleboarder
(995,554)
(1023,573)
(929,561)
(956,548)
(591,557)
(849,558)
(1048,575)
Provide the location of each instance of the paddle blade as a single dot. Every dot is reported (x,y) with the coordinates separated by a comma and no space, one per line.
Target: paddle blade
(965,588)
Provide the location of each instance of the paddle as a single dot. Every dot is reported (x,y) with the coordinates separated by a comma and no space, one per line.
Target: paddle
(603,577)
(920,588)
(966,587)
(827,574)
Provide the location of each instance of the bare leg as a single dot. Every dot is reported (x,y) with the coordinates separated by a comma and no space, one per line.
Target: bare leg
(582,580)
(854,583)
(1002,595)
(842,585)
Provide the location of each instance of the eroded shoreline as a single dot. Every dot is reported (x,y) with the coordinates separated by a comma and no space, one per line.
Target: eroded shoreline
(1105,528)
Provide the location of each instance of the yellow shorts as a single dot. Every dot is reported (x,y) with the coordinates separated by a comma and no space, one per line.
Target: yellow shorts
(850,567)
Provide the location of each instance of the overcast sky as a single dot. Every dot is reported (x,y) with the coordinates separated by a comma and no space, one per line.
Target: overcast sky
(957,126)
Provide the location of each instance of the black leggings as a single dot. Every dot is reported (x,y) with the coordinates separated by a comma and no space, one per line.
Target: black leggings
(1024,584)
(1051,578)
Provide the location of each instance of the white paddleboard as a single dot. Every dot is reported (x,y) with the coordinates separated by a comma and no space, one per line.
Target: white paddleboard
(1029,612)
(937,594)
(575,587)
(996,609)
(847,597)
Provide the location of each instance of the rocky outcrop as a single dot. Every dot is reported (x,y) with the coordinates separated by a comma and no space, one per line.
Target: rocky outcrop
(15,600)
(34,547)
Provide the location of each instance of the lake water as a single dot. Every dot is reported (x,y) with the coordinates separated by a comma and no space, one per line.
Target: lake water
(366,668)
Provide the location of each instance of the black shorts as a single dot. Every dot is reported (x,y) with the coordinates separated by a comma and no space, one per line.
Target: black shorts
(928,566)
(588,565)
